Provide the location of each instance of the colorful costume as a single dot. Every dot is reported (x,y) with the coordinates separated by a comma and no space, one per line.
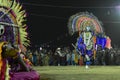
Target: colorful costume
(108,43)
(13,37)
(90,31)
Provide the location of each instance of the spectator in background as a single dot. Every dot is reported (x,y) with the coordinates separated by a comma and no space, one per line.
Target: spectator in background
(30,57)
(76,57)
(73,58)
(58,55)
(68,58)
(51,57)
(46,60)
(63,58)
(35,58)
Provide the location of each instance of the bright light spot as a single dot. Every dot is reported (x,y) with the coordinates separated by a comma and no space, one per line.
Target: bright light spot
(40,48)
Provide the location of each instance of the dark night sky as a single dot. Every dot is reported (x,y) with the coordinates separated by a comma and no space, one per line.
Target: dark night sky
(47,19)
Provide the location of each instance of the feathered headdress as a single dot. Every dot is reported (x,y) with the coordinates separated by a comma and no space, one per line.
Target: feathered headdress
(17,17)
(81,21)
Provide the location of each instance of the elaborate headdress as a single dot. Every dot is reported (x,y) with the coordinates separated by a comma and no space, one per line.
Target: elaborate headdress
(80,22)
(13,18)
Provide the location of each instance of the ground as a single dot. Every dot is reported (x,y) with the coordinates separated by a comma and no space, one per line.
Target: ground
(78,72)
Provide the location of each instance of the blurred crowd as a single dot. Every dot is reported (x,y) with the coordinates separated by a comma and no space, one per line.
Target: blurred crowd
(63,56)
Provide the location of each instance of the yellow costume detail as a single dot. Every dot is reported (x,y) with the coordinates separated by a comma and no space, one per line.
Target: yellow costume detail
(1,44)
